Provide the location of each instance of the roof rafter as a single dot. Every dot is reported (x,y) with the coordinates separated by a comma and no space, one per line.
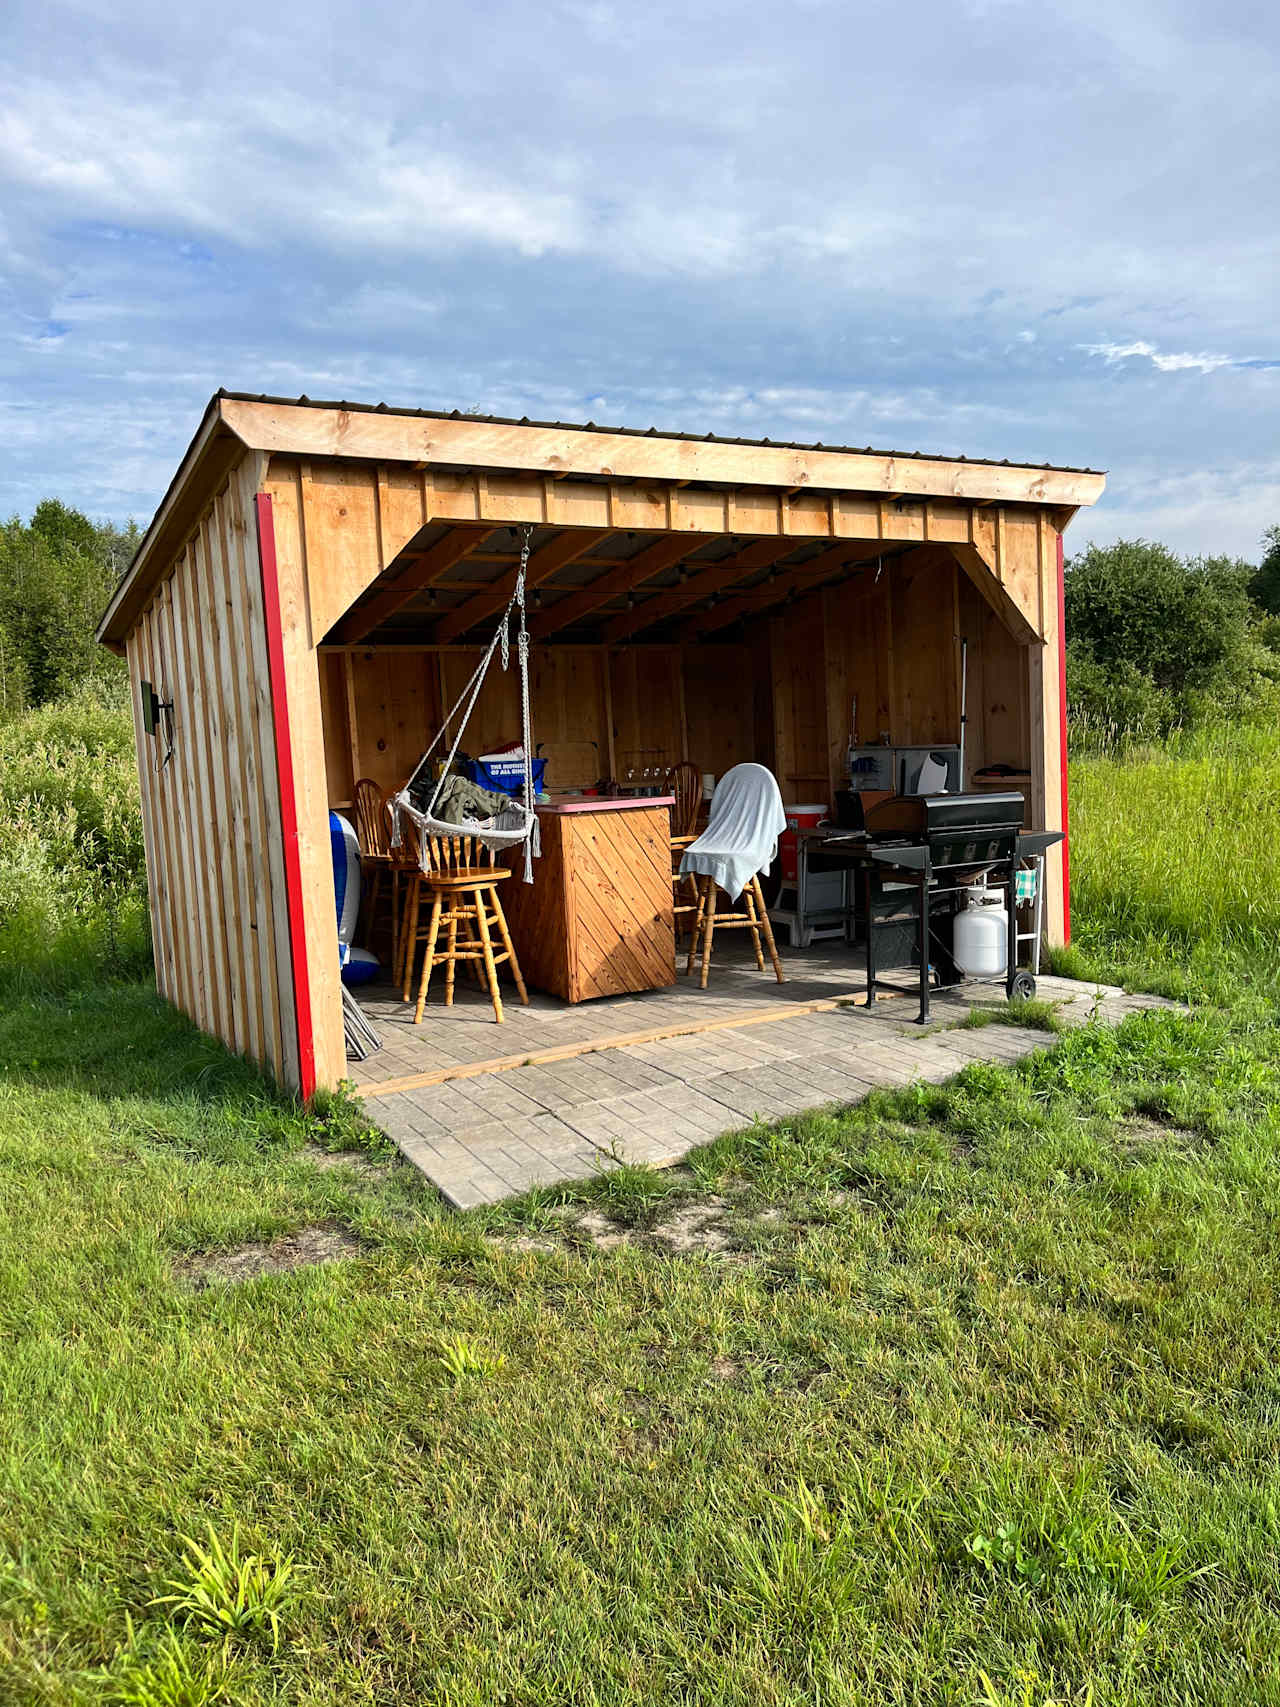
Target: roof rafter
(420,572)
(758,555)
(806,577)
(571,544)
(618,578)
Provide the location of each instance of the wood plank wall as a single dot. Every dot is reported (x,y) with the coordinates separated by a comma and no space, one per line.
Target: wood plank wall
(211,806)
(356,517)
(783,697)
(892,640)
(595,713)
(299,539)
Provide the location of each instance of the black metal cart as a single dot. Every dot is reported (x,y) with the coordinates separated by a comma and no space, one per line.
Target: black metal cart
(921,854)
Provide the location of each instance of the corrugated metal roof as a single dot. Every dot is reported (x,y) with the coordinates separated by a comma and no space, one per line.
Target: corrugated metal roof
(641,432)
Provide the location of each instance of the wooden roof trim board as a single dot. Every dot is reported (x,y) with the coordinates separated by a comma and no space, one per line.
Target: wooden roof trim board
(302,429)
(234,426)
(591,427)
(211,455)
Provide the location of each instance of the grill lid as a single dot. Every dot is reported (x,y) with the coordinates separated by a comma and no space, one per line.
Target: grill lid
(930,815)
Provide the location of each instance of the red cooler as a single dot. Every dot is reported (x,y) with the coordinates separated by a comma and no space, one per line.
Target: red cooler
(798,818)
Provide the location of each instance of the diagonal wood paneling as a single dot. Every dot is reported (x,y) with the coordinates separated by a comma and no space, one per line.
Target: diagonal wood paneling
(597,919)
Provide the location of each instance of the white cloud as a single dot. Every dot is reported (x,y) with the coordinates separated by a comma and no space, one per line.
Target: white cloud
(1178,361)
(509,134)
(697,216)
(1212,511)
(146,156)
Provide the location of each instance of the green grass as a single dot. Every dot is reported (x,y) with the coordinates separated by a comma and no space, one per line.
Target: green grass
(983,1407)
(1175,862)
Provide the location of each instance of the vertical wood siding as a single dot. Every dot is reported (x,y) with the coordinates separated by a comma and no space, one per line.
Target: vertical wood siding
(305,544)
(211,810)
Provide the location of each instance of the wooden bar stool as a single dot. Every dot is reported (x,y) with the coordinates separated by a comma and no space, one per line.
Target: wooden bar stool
(753,918)
(460,879)
(684,890)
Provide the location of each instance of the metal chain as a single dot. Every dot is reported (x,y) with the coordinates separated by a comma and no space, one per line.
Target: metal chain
(517,598)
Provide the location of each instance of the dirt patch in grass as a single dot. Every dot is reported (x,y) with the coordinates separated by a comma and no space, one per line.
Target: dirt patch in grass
(526,1242)
(603,1233)
(367,1167)
(696,1227)
(1141,1134)
(693,1228)
(328,1242)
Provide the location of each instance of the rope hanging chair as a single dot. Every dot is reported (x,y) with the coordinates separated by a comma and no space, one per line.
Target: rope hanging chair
(517,821)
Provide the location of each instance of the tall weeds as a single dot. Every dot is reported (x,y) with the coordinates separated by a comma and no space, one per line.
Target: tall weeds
(72,874)
(1175,850)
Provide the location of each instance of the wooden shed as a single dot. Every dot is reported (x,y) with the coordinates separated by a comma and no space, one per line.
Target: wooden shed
(310,596)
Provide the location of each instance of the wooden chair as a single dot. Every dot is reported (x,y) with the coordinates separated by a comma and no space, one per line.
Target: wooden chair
(686,784)
(377,861)
(461,881)
(406,872)
(685,781)
(754,917)
(371,826)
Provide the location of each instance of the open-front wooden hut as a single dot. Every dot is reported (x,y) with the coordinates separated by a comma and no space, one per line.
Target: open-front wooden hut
(310,596)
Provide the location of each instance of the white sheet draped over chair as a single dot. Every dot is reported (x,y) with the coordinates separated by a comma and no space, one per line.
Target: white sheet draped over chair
(739,842)
(741,837)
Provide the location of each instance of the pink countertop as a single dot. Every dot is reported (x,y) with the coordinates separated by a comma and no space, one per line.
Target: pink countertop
(567,808)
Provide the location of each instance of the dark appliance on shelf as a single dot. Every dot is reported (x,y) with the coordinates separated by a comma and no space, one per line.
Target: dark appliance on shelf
(922,852)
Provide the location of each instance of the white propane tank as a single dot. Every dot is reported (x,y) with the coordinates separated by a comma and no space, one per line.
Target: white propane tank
(980,941)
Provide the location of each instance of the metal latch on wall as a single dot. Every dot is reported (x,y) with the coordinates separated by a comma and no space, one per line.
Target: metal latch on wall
(157,716)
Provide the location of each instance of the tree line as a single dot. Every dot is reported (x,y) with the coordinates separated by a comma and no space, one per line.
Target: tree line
(57,572)
(1156,641)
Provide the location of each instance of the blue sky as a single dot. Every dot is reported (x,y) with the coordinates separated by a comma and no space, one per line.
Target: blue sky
(986,227)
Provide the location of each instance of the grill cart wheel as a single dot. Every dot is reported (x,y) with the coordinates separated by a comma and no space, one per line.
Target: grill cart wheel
(1024,987)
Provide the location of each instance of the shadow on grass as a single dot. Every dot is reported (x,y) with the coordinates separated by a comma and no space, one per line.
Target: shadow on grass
(122,1040)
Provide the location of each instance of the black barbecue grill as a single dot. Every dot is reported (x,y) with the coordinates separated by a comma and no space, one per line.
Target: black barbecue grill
(921,852)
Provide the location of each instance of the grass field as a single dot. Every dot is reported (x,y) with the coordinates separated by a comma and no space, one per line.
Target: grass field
(1176,861)
(981,1404)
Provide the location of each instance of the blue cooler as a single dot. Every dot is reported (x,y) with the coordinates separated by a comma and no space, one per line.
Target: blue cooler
(505,776)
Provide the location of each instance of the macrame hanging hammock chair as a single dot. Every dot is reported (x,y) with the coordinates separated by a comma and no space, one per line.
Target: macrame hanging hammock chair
(517,821)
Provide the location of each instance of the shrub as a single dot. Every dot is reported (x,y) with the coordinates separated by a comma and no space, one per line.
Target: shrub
(1156,640)
(1265,585)
(1108,702)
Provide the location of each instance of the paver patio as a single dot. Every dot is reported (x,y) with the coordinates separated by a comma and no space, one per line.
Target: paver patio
(490,1132)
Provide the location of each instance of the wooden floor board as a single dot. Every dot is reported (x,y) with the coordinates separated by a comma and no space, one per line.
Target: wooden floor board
(592,1045)
(462,1041)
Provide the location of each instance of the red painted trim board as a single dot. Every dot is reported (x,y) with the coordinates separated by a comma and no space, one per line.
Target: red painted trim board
(1062,728)
(288,797)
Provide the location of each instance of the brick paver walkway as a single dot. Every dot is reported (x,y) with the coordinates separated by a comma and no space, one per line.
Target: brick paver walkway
(483,1138)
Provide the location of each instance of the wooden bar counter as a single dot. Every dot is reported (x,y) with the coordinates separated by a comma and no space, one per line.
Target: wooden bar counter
(597,918)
